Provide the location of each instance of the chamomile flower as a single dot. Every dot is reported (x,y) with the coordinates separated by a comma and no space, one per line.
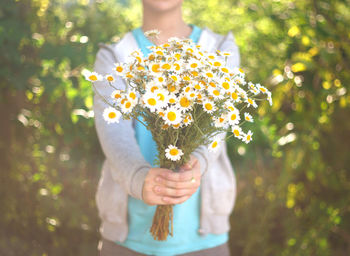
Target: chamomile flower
(184,103)
(150,99)
(165,66)
(209,106)
(237,131)
(173,153)
(116,94)
(233,117)
(193,64)
(119,68)
(172,116)
(248,137)
(214,145)
(252,88)
(132,96)
(163,97)
(111,115)
(262,88)
(127,105)
(187,120)
(251,102)
(221,121)
(248,117)
(93,76)
(269,98)
(110,78)
(216,93)
(152,33)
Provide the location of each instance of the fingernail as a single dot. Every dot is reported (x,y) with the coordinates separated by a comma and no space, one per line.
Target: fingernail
(157,189)
(165,199)
(157,179)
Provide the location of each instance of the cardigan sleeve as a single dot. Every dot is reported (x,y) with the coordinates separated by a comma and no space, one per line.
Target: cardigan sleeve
(127,164)
(227,44)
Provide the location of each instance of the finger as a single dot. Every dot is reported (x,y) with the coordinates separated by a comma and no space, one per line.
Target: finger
(171,192)
(175,200)
(180,185)
(177,176)
(190,164)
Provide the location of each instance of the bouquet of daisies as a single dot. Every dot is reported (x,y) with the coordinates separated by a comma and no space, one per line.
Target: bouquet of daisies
(179,92)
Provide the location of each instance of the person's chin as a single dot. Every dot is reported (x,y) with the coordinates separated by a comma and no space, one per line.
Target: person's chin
(162,5)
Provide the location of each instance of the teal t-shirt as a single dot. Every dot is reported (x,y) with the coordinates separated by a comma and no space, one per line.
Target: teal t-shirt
(186,215)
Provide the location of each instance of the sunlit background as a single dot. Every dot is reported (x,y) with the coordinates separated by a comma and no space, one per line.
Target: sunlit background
(293,179)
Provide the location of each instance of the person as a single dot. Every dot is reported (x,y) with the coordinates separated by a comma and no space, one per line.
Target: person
(130,186)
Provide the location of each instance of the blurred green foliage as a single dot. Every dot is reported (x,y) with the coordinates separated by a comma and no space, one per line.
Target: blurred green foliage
(293,180)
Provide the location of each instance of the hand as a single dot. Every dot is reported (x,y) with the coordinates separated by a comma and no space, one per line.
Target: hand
(163,186)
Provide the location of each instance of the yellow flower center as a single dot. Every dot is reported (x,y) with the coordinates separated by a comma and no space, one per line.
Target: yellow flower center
(152,102)
(236,132)
(161,96)
(172,100)
(241,70)
(110,78)
(194,65)
(155,68)
(234,96)
(186,78)
(184,102)
(217,64)
(216,92)
(214,145)
(208,106)
(209,75)
(174,78)
(194,73)
(171,116)
(233,117)
(249,137)
(117,96)
(226,85)
(166,66)
(225,70)
(128,104)
(171,87)
(177,66)
(250,101)
(262,89)
(177,56)
(198,87)
(154,88)
(174,152)
(112,115)
(132,95)
(119,69)
(212,84)
(160,79)
(93,78)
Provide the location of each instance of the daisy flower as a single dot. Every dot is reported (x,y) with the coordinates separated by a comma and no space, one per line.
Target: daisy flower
(193,64)
(237,131)
(251,102)
(111,115)
(150,99)
(163,97)
(152,33)
(248,137)
(187,120)
(233,117)
(269,98)
(155,67)
(248,117)
(209,106)
(184,103)
(127,105)
(132,96)
(119,68)
(214,145)
(93,76)
(172,116)
(262,88)
(165,66)
(110,78)
(216,93)
(173,153)
(116,94)
(221,121)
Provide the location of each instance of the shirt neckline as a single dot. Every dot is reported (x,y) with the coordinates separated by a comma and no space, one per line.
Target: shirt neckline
(138,33)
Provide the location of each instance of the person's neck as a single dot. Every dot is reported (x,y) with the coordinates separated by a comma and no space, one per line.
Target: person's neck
(170,24)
